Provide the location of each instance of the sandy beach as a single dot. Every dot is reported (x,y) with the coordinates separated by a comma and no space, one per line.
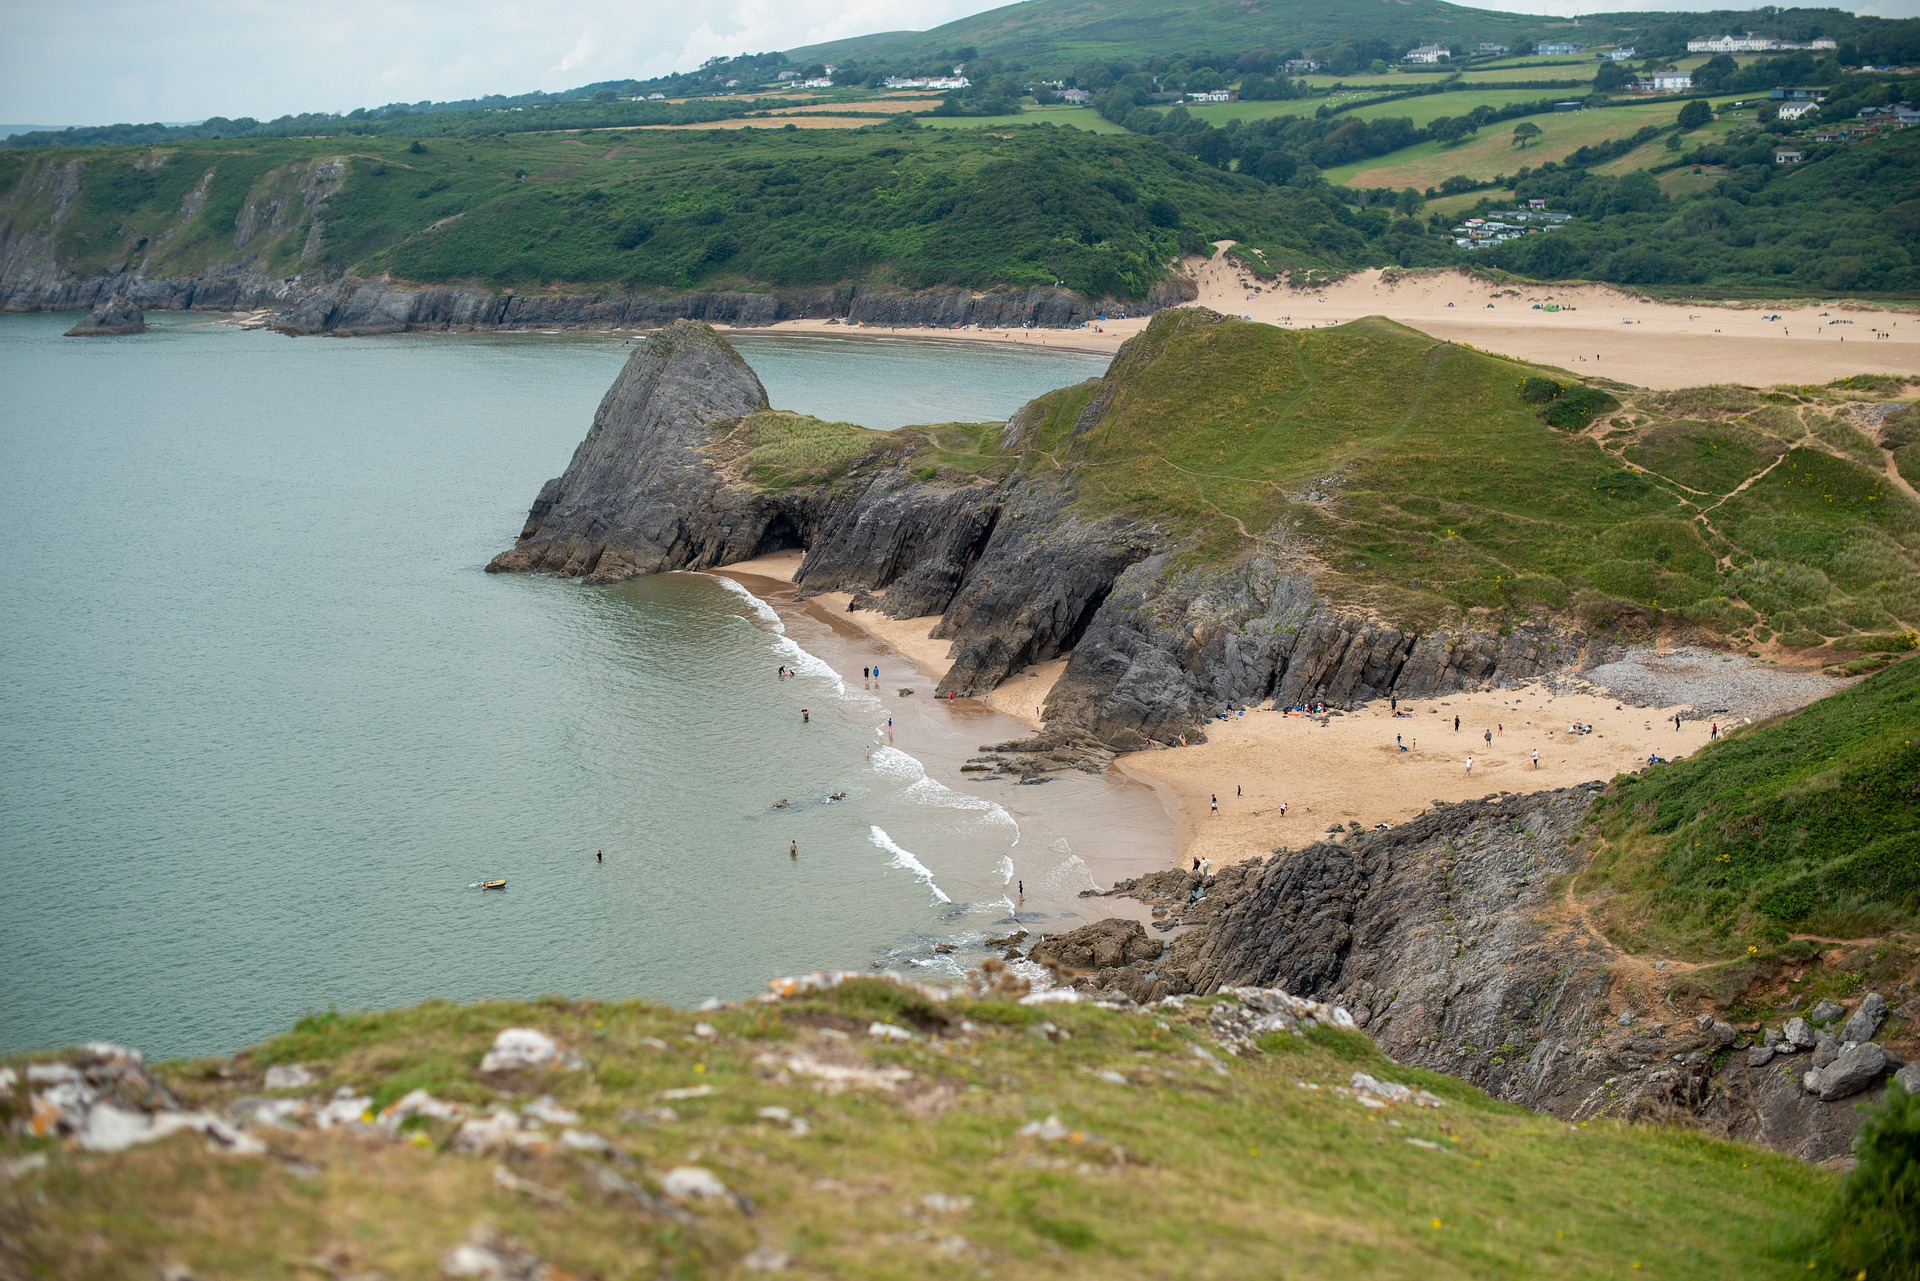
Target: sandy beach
(1598,329)
(1346,767)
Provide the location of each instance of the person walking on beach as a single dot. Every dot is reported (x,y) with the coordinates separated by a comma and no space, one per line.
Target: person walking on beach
(1216,804)
(806,717)
(599,856)
(1489,737)
(1714,733)
(1196,862)
(1469,766)
(1536,758)
(793,850)
(1456,724)
(864,672)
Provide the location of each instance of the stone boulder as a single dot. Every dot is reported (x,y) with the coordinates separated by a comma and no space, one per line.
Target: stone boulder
(1800,1035)
(1909,1078)
(1866,1020)
(1855,1069)
(1826,1012)
(116,315)
(1099,946)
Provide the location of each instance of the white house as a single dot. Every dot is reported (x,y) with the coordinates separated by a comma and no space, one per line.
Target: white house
(1558,49)
(818,82)
(1428,53)
(1788,157)
(1618,55)
(1798,110)
(1670,81)
(1078,97)
(1213,95)
(1751,43)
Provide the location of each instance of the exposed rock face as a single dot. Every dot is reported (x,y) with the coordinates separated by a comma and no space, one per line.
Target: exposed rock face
(1015,572)
(1101,945)
(1445,940)
(639,495)
(114,316)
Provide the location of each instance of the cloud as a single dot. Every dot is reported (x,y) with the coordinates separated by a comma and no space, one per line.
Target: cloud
(111,60)
(114,60)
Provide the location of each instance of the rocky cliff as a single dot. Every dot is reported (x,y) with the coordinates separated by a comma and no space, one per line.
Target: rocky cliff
(1016,569)
(1455,943)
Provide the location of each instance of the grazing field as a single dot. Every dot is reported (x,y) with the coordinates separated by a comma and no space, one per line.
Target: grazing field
(1072,117)
(1492,152)
(1425,110)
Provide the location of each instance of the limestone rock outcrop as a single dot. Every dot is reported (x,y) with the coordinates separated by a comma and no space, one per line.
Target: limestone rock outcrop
(1445,939)
(116,315)
(1015,570)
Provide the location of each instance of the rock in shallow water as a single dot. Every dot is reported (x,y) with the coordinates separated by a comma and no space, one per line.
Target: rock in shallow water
(114,316)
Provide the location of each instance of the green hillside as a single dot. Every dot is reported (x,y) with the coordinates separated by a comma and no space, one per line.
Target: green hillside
(650,210)
(830,1150)
(1432,482)
(1806,824)
(1044,33)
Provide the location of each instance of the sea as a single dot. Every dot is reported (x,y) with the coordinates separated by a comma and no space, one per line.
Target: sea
(267,725)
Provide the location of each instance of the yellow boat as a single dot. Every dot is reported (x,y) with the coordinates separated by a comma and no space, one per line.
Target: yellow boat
(493,885)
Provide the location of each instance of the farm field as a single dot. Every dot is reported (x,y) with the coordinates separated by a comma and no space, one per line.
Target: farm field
(1426,110)
(1075,117)
(1492,153)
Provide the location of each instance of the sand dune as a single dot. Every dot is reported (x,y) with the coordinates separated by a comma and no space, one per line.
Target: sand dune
(1599,330)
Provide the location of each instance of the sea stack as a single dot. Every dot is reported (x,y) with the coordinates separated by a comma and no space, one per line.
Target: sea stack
(640,495)
(116,315)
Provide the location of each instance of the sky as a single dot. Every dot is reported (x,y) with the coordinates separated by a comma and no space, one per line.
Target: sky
(107,61)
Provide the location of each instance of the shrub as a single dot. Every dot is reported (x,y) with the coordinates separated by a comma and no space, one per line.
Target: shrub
(1874,1229)
(1574,408)
(1538,391)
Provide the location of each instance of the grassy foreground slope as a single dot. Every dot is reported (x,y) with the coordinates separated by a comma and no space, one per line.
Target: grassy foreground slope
(1172,1158)
(1809,823)
(637,210)
(1429,482)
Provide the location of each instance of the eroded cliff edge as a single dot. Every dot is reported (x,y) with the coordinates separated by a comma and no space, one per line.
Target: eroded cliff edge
(1458,945)
(1002,550)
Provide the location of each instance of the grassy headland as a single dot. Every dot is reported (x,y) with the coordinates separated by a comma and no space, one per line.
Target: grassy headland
(1433,483)
(1174,1157)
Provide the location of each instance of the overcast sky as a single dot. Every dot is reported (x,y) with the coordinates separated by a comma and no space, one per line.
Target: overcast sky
(106,61)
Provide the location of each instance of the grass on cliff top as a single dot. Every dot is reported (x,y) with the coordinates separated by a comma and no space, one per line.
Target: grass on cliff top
(1194,1166)
(1416,478)
(1806,824)
(776,450)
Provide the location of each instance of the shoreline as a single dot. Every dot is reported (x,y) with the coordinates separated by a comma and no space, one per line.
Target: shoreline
(1347,767)
(1116,825)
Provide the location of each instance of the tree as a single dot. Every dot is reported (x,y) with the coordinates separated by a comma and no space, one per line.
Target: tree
(1694,114)
(1611,78)
(1525,133)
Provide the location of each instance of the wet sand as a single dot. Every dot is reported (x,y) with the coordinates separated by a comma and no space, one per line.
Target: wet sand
(1116,825)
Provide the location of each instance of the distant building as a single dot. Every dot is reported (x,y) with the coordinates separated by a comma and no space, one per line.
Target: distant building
(1798,110)
(652,97)
(818,82)
(1666,82)
(1302,66)
(1751,43)
(1787,156)
(1427,53)
(1568,106)
(1213,95)
(1617,55)
(1558,49)
(1798,95)
(1488,49)
(1900,115)
(927,82)
(1078,97)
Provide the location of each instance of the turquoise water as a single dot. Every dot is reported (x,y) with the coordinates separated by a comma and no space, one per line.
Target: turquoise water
(266,722)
